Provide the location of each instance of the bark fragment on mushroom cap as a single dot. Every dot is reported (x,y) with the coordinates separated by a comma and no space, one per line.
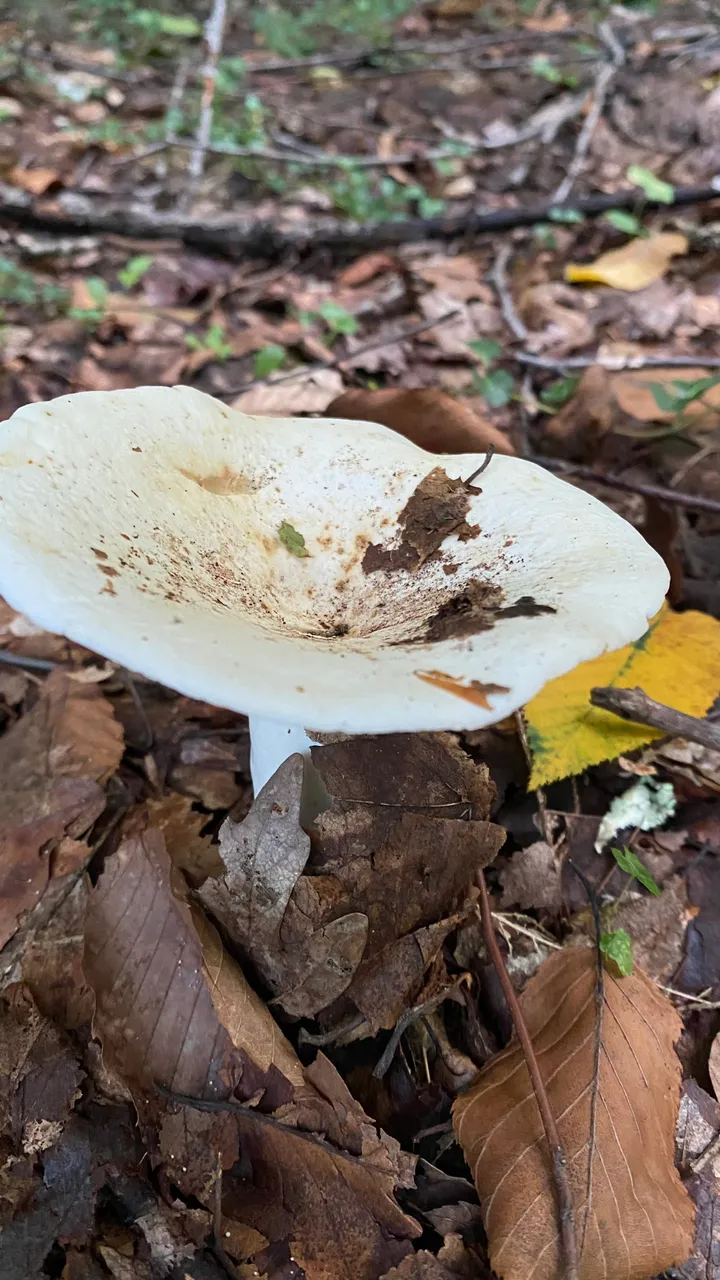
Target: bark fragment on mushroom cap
(230,557)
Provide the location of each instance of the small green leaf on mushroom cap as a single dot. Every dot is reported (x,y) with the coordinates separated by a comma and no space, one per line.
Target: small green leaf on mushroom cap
(293,540)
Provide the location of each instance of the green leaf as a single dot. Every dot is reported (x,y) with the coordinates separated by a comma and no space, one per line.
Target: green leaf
(621,220)
(168,24)
(686,391)
(617,946)
(293,540)
(654,188)
(268,359)
(629,861)
(545,235)
(663,398)
(486,350)
(542,66)
(98,290)
(337,318)
(134,270)
(561,214)
(497,387)
(560,391)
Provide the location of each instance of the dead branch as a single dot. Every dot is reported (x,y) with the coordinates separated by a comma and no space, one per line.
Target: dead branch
(558,1158)
(616,364)
(499,278)
(214,32)
(634,704)
(604,78)
(694,502)
(236,235)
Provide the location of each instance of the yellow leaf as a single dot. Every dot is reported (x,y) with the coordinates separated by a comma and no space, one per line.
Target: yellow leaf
(676,662)
(635,266)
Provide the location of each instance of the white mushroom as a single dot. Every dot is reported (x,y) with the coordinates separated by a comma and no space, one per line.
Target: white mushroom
(316,574)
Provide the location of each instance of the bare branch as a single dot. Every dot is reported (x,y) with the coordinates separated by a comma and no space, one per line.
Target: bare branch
(634,704)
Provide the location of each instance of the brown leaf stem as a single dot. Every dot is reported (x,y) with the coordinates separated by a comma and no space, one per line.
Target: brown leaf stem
(558,1158)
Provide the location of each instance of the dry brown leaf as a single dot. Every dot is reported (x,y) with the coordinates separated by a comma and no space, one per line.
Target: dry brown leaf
(532,879)
(460,277)
(714,1065)
(180,825)
(640,1219)
(452,336)
(559,325)
(35,181)
(166,1013)
(52,763)
(365,269)
(636,265)
(429,418)
(308,393)
(576,430)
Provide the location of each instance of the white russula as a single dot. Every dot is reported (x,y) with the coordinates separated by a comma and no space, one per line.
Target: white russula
(166,532)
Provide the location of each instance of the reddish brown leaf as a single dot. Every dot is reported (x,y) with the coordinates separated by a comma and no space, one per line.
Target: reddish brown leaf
(52,762)
(429,418)
(165,1013)
(639,1217)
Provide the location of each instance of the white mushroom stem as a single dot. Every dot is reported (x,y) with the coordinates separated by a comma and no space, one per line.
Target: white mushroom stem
(271,742)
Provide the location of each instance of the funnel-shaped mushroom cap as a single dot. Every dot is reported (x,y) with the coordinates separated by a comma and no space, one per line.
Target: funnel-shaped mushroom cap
(160,528)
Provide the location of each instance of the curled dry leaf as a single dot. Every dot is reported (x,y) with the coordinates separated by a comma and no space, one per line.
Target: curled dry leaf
(677,662)
(636,265)
(172,1008)
(632,391)
(429,418)
(52,763)
(310,392)
(633,1217)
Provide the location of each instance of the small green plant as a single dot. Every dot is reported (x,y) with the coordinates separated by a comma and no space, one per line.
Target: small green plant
(616,945)
(621,220)
(497,386)
(98,294)
(336,319)
(154,23)
(677,400)
(213,340)
(361,195)
(628,861)
(296,32)
(269,359)
(654,188)
(559,392)
(542,66)
(22,287)
(545,235)
(134,270)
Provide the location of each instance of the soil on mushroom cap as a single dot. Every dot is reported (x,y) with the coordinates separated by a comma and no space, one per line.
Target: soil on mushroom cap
(436,509)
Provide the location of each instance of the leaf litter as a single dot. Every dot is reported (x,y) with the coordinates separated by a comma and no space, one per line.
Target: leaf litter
(122,792)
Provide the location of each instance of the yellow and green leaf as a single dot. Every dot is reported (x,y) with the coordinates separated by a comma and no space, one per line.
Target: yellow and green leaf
(676,662)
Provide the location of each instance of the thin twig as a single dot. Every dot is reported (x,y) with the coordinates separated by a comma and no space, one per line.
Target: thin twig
(337,361)
(604,78)
(214,32)
(406,1019)
(506,920)
(635,705)
(305,158)
(489,455)
(177,94)
(700,1001)
(558,1158)
(32,664)
(616,363)
(498,276)
(545,823)
(694,501)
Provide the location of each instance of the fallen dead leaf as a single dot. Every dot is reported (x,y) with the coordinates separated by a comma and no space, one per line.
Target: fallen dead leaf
(173,815)
(161,1002)
(714,1065)
(559,325)
(36,181)
(460,277)
(52,762)
(429,418)
(636,265)
(308,393)
(532,879)
(366,268)
(677,662)
(641,1218)
(579,426)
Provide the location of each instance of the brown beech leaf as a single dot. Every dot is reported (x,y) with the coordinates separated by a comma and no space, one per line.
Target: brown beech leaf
(52,763)
(430,418)
(639,1218)
(168,1011)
